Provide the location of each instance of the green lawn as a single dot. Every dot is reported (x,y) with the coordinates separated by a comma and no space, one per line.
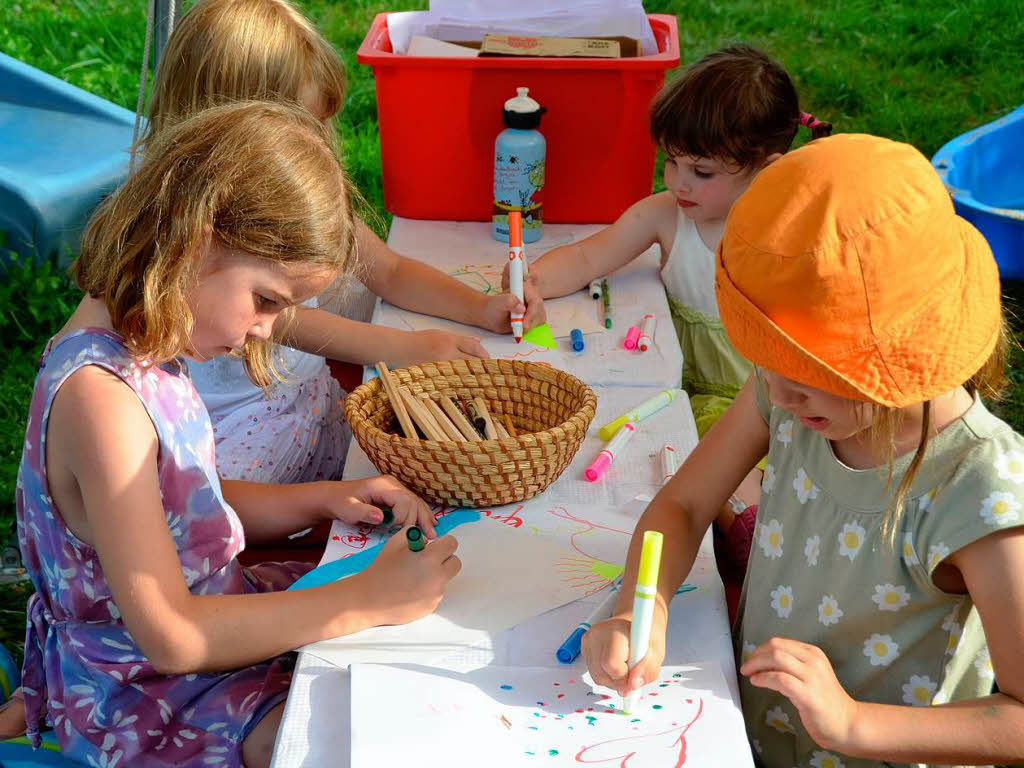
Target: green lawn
(921,71)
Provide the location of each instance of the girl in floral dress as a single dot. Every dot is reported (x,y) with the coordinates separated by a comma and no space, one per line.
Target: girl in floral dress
(883,591)
(148,644)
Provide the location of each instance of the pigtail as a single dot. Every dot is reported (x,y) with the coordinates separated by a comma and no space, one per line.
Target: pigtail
(819,128)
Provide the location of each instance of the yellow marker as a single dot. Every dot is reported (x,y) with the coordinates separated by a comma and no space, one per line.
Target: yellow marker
(646,408)
(643,606)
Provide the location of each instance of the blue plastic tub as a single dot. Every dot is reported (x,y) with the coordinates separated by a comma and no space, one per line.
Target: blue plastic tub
(984,172)
(61,150)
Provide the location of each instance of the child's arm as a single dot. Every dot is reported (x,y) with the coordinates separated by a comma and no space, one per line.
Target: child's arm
(968,732)
(271,512)
(417,286)
(682,511)
(563,270)
(323,333)
(103,443)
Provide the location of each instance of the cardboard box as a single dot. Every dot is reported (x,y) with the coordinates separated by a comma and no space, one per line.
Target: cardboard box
(560,47)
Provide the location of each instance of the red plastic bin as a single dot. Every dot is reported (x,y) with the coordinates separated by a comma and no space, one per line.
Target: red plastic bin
(438,118)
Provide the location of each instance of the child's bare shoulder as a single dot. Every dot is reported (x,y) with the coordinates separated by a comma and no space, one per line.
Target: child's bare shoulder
(655,215)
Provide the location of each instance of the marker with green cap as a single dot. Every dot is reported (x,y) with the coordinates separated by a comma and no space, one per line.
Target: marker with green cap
(389,517)
(643,606)
(415,538)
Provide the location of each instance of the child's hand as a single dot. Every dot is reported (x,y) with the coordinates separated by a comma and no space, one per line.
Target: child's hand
(804,675)
(497,312)
(363,501)
(429,346)
(606,651)
(411,584)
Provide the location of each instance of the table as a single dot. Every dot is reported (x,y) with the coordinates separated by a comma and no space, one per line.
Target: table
(594,519)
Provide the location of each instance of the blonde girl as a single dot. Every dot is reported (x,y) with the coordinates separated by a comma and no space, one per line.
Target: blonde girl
(225,50)
(883,592)
(148,644)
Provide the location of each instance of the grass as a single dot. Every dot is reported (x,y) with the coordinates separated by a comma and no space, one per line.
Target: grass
(915,70)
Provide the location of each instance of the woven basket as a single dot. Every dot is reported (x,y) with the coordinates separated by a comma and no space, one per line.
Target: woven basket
(549,408)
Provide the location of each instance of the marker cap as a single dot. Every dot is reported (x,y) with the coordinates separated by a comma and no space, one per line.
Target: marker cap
(650,559)
(632,335)
(576,335)
(601,463)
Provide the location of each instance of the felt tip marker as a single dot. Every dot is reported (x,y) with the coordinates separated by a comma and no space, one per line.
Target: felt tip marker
(414,536)
(669,464)
(570,649)
(516,269)
(646,340)
(644,410)
(611,450)
(643,606)
(606,297)
(576,335)
(389,517)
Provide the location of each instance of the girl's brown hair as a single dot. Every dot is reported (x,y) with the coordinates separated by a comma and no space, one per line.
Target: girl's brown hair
(737,104)
(261,178)
(231,50)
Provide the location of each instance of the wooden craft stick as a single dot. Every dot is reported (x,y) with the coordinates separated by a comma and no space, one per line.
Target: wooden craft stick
(459,420)
(500,429)
(420,416)
(396,401)
(421,398)
(445,423)
(511,427)
(481,406)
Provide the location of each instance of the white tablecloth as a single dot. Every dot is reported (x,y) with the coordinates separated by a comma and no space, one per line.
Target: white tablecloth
(593,519)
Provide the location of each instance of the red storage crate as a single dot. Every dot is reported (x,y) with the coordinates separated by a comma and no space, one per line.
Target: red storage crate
(438,118)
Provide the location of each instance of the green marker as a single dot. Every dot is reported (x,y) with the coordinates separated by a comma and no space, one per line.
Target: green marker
(389,517)
(415,538)
(606,297)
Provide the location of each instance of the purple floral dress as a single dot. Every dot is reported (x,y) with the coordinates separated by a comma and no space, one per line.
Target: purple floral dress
(107,703)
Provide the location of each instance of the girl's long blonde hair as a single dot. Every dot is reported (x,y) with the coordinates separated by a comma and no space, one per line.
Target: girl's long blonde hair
(232,50)
(262,178)
(988,382)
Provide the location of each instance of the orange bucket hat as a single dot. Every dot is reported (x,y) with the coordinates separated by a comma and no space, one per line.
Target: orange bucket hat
(845,268)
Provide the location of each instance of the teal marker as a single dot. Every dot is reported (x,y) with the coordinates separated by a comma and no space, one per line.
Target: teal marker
(415,538)
(606,297)
(389,517)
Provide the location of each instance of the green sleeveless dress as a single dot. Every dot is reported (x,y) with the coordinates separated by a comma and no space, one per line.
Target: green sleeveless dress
(713,371)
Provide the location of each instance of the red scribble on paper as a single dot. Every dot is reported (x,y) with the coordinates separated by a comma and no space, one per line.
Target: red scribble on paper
(650,747)
(512,518)
(357,540)
(587,527)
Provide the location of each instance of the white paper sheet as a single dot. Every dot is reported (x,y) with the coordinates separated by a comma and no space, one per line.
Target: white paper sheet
(507,576)
(461,20)
(505,716)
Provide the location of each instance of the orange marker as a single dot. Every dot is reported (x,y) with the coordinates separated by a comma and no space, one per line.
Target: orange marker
(516,269)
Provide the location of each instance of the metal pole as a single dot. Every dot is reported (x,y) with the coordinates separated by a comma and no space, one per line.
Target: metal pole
(167,14)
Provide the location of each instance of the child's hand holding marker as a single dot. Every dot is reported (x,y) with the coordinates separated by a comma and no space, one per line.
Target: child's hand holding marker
(409,584)
(535,313)
(364,501)
(500,306)
(626,652)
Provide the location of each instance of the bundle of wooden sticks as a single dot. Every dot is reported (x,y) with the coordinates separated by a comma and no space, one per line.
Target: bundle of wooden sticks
(444,418)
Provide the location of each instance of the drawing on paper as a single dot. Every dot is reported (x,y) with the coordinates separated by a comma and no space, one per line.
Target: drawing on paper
(516,716)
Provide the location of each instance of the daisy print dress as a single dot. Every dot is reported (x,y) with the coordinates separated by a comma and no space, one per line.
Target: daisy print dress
(107,703)
(822,571)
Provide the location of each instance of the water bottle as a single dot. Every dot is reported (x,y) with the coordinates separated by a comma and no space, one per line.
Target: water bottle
(519,168)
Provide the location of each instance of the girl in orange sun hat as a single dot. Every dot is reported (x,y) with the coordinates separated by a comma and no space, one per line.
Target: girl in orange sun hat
(882,595)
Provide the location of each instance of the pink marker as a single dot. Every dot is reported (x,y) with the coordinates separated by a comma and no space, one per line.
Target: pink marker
(611,450)
(632,335)
(647,327)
